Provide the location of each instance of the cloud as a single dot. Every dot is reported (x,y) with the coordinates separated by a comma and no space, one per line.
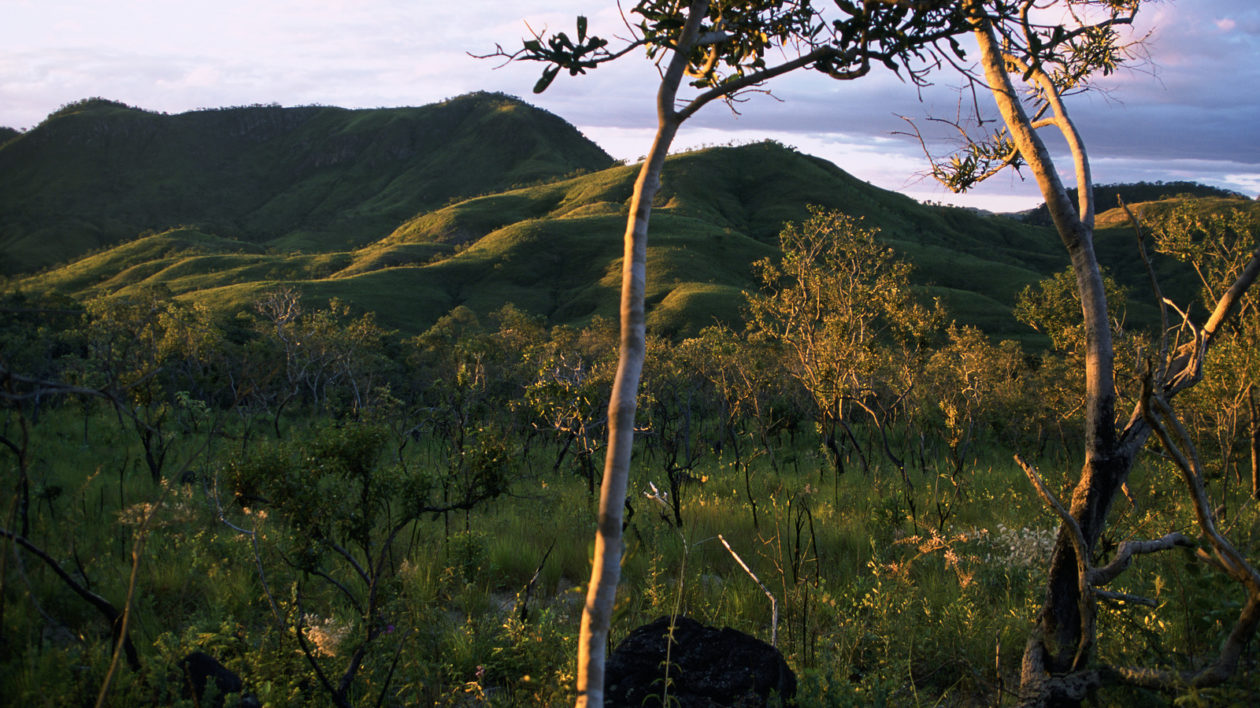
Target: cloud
(1248,183)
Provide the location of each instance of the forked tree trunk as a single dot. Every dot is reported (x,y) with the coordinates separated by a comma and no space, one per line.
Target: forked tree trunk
(1062,644)
(1063,639)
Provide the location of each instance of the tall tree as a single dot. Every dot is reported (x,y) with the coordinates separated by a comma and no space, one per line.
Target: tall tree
(1055,48)
(724,48)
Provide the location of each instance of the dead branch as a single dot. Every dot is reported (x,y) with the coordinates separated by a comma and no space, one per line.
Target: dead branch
(112,614)
(1177,442)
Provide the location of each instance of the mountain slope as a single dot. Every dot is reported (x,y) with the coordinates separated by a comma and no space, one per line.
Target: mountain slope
(554,249)
(97,173)
(357,205)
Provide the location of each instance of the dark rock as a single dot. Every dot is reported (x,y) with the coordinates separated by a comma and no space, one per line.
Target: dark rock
(708,667)
(199,669)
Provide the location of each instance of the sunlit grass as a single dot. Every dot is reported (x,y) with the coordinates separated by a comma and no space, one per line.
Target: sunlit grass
(554,248)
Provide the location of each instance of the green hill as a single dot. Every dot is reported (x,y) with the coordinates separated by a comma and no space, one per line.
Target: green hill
(554,249)
(97,173)
(1105,195)
(366,216)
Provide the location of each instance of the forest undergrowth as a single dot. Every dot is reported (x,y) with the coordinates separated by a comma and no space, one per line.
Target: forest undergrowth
(480,606)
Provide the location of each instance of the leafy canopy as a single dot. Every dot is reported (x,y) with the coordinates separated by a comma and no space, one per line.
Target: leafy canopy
(734,41)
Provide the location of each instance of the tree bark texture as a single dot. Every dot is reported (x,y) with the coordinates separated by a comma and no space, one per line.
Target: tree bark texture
(1056,658)
(606,565)
(1062,638)
(842,64)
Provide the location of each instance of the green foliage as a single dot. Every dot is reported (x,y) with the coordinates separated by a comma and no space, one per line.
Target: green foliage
(412,533)
(752,29)
(1137,192)
(1217,244)
(36,330)
(549,248)
(329,356)
(731,42)
(1054,309)
(568,395)
(306,481)
(869,609)
(838,304)
(979,390)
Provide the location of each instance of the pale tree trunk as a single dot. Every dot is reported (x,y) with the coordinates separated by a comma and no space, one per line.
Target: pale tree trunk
(1062,644)
(606,565)
(1062,641)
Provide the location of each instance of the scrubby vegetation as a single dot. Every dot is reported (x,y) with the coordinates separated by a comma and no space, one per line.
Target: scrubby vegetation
(340,513)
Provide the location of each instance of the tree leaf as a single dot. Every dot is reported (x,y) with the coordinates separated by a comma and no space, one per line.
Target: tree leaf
(548,75)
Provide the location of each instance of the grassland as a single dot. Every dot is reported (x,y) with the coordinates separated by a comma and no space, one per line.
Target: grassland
(910,579)
(98,173)
(878,605)
(413,212)
(554,249)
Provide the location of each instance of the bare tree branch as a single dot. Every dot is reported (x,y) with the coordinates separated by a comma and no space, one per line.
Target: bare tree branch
(1128,549)
(112,614)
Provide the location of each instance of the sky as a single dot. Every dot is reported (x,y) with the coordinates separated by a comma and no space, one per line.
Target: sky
(1188,110)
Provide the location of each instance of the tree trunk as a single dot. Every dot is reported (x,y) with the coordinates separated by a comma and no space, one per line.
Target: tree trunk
(1063,639)
(1061,646)
(605,571)
(1253,421)
(606,565)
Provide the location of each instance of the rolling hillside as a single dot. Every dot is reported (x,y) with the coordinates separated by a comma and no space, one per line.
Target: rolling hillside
(97,173)
(411,235)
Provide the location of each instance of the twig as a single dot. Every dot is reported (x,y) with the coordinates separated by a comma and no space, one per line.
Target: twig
(142,534)
(529,587)
(104,606)
(1159,415)
(1124,556)
(1084,599)
(1155,289)
(774,604)
(253,539)
(1078,537)
(331,580)
(1124,597)
(354,563)
(300,634)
